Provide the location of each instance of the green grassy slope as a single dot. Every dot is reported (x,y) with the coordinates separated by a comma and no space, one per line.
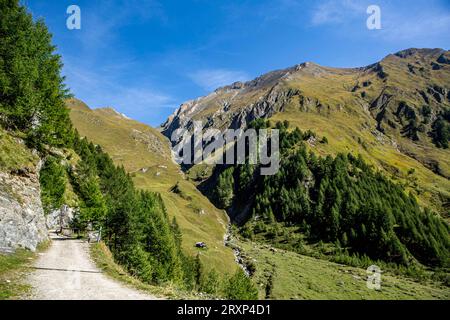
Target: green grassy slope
(430,189)
(349,121)
(13,267)
(14,154)
(145,153)
(295,276)
(358,110)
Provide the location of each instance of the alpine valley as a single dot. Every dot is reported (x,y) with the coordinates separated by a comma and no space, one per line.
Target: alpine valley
(364,177)
(363,185)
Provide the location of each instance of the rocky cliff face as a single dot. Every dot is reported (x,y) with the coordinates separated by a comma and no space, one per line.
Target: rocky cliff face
(393,91)
(22,220)
(236,105)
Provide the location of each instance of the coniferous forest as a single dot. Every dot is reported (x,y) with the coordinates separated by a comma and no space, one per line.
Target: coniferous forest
(339,200)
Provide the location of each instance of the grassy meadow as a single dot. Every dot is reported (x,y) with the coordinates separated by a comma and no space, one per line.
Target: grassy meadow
(299,277)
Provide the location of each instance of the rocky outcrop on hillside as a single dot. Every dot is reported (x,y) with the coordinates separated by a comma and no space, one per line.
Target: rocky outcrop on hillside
(151,142)
(22,220)
(266,106)
(236,105)
(220,107)
(61,218)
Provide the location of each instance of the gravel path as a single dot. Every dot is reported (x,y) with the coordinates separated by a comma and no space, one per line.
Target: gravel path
(66,272)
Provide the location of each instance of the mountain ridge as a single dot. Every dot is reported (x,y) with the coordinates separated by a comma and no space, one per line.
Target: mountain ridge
(277,75)
(387,111)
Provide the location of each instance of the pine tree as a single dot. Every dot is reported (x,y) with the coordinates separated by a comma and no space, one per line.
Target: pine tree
(344,199)
(210,283)
(53,181)
(32,92)
(225,189)
(198,272)
(177,232)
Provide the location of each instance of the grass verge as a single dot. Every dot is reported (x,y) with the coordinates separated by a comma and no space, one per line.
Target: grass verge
(12,268)
(13,153)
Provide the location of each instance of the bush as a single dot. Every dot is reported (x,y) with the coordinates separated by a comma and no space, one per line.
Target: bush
(210,283)
(224,192)
(240,287)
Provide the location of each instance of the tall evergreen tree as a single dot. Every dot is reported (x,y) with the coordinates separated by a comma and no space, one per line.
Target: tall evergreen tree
(52,178)
(225,188)
(32,91)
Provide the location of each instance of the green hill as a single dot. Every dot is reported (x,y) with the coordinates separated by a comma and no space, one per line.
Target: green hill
(299,231)
(145,153)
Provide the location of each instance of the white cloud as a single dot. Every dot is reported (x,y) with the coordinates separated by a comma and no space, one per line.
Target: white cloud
(426,24)
(337,12)
(423,20)
(211,79)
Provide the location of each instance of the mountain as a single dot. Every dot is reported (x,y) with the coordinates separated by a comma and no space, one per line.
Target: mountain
(395,113)
(51,176)
(145,153)
(364,157)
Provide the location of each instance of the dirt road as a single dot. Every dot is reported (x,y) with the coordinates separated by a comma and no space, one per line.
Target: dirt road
(66,272)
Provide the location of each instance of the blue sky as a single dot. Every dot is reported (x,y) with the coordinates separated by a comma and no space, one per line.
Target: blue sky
(145,57)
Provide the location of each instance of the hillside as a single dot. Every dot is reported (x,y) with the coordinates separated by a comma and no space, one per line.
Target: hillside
(22,220)
(145,153)
(282,274)
(364,170)
(51,177)
(387,112)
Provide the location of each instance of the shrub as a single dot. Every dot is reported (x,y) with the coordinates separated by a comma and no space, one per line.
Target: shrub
(240,287)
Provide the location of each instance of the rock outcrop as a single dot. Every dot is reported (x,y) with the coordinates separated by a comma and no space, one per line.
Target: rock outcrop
(61,218)
(22,220)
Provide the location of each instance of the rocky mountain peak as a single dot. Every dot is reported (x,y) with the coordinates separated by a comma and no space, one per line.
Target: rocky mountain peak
(420,52)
